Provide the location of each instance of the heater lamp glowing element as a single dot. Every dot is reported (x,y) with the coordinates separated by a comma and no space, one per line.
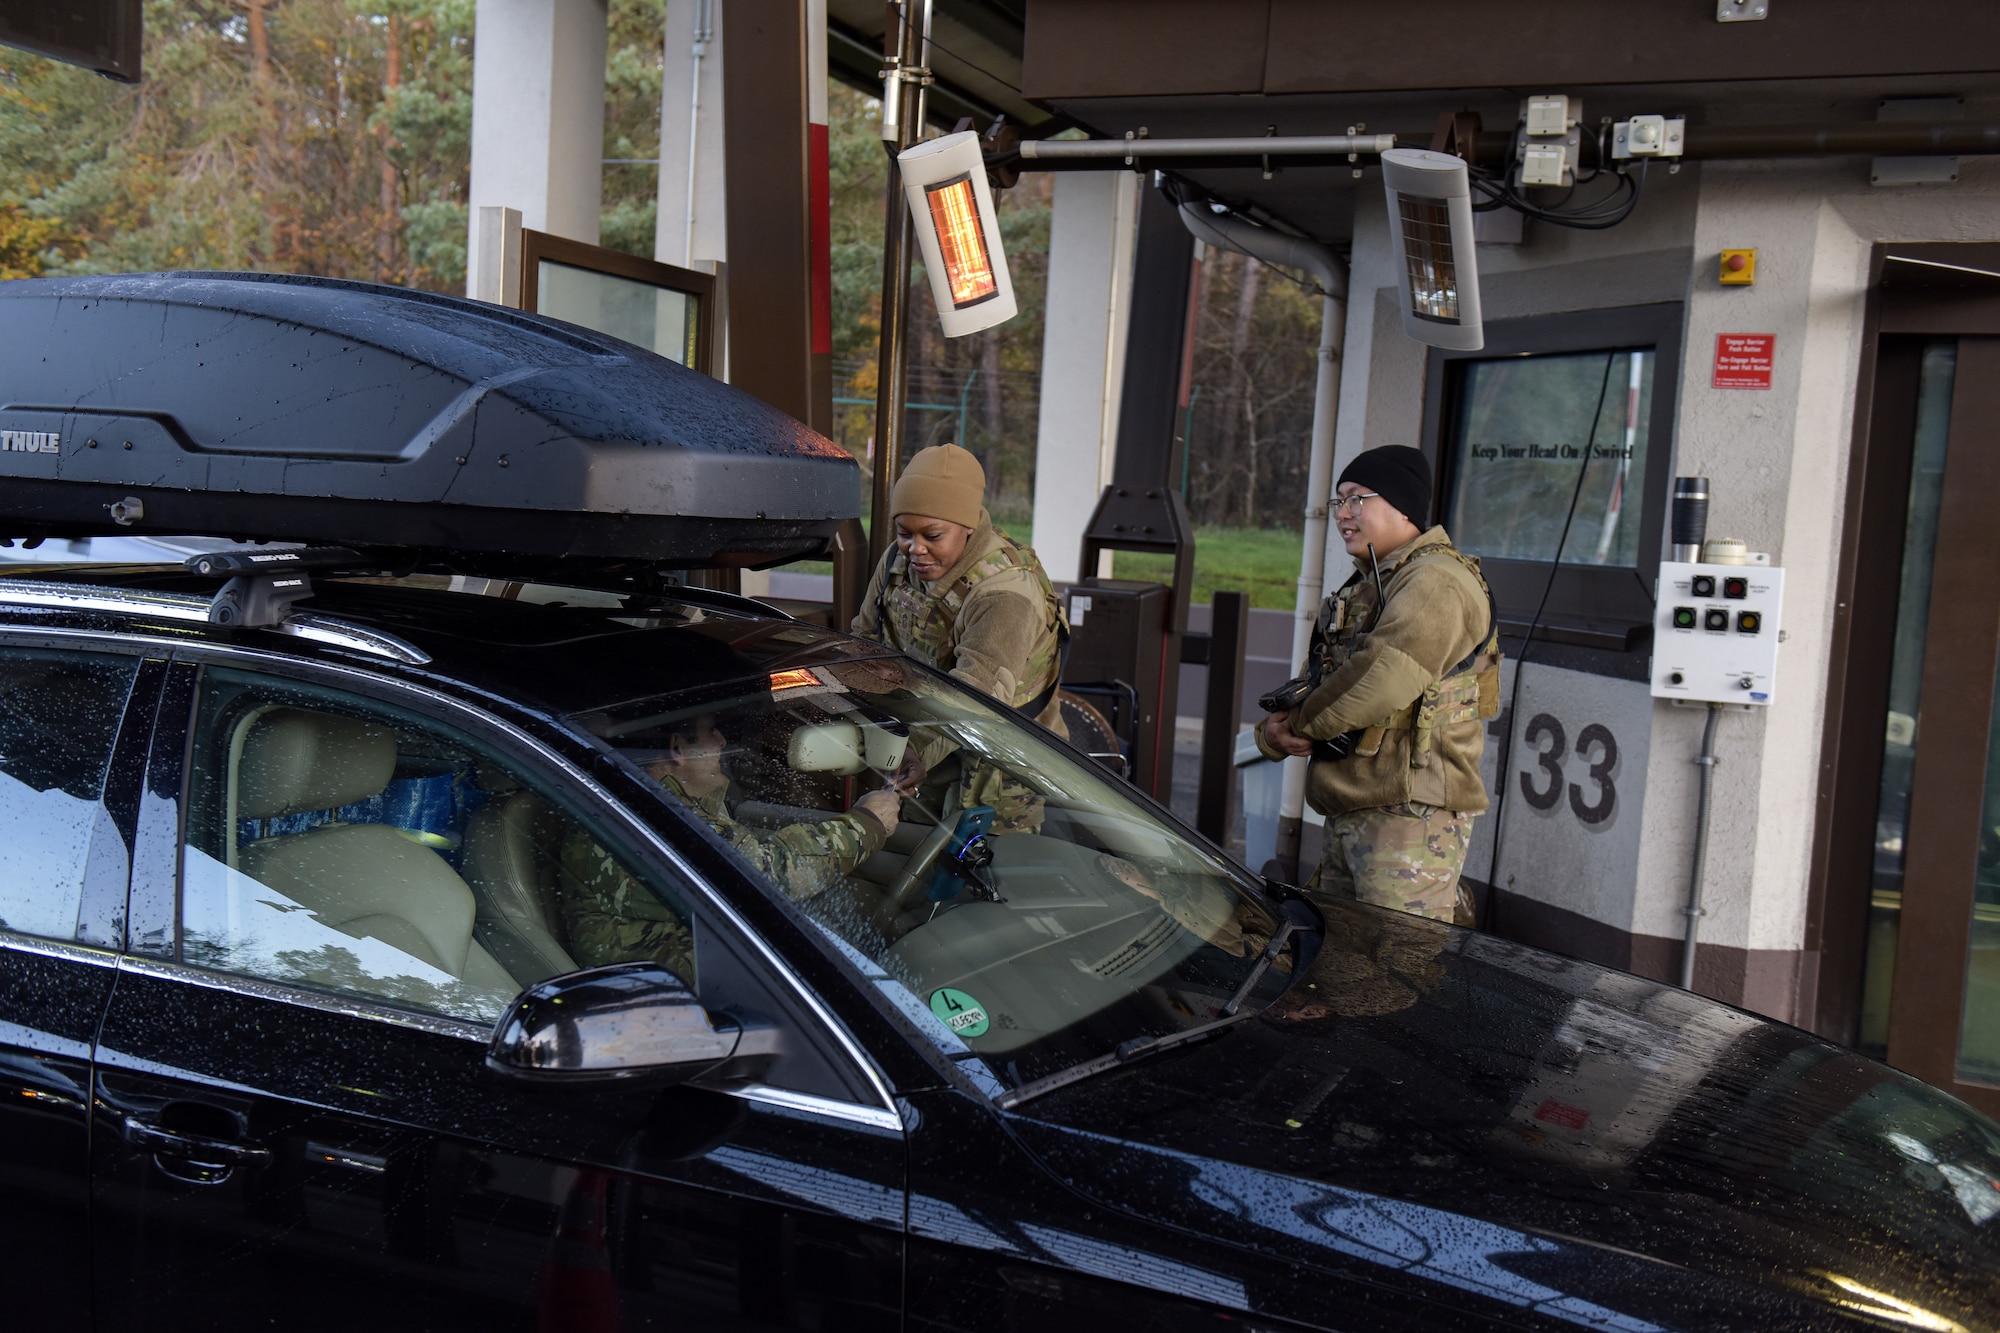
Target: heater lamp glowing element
(958,232)
(967,265)
(1430,206)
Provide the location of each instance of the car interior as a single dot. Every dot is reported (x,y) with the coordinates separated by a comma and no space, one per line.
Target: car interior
(395,835)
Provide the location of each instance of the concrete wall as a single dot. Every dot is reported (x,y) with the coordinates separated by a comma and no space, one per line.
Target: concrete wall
(673,243)
(1777,464)
(1092,234)
(538,117)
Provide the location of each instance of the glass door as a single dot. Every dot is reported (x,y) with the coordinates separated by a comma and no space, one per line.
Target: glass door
(1931,1000)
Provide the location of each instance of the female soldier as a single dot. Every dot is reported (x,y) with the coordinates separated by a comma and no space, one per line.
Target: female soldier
(955,592)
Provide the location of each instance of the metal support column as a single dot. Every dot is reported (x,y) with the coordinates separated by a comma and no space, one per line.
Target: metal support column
(905,53)
(1229,631)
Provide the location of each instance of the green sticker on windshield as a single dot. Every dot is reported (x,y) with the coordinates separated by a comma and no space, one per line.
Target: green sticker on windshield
(959,1012)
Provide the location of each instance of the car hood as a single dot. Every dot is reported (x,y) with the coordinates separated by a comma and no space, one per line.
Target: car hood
(1448,1106)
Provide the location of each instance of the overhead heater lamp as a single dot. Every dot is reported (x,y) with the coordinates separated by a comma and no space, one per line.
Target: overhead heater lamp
(1430,205)
(945,181)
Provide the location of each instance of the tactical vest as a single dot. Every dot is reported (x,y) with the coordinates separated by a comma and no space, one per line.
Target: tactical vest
(1469,690)
(925,626)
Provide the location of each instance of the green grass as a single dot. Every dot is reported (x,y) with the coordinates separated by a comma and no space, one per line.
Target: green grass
(1263,562)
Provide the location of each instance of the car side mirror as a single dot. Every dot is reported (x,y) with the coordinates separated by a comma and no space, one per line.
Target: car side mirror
(625,1021)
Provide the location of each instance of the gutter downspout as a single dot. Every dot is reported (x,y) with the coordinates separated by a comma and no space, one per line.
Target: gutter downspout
(1229,232)
(704,30)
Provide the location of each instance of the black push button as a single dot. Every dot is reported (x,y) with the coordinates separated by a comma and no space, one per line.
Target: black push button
(1736,587)
(1683,617)
(1749,622)
(1704,585)
(1715,618)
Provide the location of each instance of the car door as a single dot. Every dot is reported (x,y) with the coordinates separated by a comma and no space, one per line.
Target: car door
(294,1117)
(73,733)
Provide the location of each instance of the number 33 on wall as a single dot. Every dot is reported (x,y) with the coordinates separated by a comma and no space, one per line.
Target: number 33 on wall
(1543,795)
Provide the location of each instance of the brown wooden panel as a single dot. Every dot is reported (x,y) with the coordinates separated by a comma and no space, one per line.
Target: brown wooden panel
(1111,48)
(1868,584)
(764,171)
(1561,44)
(1947,789)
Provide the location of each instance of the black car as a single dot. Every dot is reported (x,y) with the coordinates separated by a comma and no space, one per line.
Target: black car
(369,959)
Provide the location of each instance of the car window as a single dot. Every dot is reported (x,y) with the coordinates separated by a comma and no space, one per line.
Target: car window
(338,843)
(59,714)
(1025,909)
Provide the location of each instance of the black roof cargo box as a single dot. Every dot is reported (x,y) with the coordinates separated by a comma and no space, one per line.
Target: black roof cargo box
(265,406)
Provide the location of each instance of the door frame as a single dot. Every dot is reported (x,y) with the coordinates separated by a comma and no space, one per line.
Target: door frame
(1915,292)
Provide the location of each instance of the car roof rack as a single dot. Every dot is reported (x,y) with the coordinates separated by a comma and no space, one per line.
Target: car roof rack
(486,441)
(259,587)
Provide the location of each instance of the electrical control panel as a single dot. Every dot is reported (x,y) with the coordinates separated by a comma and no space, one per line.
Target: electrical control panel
(1715,633)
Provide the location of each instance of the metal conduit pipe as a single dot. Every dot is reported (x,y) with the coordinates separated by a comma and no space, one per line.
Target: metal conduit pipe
(1492,147)
(1097,150)
(704,32)
(1228,232)
(1693,909)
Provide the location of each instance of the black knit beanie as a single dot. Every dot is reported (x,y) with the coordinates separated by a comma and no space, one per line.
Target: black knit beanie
(1399,474)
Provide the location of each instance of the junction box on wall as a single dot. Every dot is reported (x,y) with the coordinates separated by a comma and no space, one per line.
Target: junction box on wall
(1715,633)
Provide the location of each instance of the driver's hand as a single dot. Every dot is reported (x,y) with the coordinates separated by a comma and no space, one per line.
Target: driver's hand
(886,805)
(1278,731)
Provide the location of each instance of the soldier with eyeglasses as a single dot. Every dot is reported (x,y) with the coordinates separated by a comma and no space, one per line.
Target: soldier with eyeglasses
(1409,669)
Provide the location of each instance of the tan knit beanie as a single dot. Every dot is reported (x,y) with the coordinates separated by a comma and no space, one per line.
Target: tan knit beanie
(943,481)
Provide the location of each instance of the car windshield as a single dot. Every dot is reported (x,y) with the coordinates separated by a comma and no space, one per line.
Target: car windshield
(1027,909)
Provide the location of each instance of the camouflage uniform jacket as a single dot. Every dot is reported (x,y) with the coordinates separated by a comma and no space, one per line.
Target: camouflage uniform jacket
(612,917)
(990,620)
(1388,673)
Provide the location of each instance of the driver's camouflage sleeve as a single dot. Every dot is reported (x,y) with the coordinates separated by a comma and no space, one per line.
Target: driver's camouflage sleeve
(612,917)
(801,859)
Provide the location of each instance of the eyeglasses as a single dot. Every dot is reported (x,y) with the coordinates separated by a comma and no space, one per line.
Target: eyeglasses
(1343,503)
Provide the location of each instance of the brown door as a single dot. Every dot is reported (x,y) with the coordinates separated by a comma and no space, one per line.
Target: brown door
(1932,996)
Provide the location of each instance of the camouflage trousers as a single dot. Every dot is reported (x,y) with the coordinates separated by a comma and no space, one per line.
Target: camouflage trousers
(1401,856)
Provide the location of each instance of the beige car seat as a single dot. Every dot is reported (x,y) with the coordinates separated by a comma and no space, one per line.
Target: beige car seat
(361,879)
(513,844)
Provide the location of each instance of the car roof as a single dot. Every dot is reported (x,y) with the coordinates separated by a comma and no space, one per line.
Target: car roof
(560,650)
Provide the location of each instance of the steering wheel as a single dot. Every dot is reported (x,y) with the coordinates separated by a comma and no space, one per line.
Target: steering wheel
(911,884)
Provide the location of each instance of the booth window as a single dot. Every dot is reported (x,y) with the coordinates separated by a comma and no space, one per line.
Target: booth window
(660,307)
(1561,421)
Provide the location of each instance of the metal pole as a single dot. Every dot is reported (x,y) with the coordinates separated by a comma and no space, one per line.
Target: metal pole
(1135,149)
(1228,629)
(704,31)
(893,354)
(1694,909)
(965,392)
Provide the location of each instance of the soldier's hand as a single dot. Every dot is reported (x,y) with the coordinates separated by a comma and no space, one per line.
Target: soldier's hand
(886,805)
(1278,731)
(912,773)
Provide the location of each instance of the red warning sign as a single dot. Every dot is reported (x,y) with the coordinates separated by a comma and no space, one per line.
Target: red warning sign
(1743,360)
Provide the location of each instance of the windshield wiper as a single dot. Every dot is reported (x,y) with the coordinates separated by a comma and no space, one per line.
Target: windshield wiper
(1139,1047)
(1263,964)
